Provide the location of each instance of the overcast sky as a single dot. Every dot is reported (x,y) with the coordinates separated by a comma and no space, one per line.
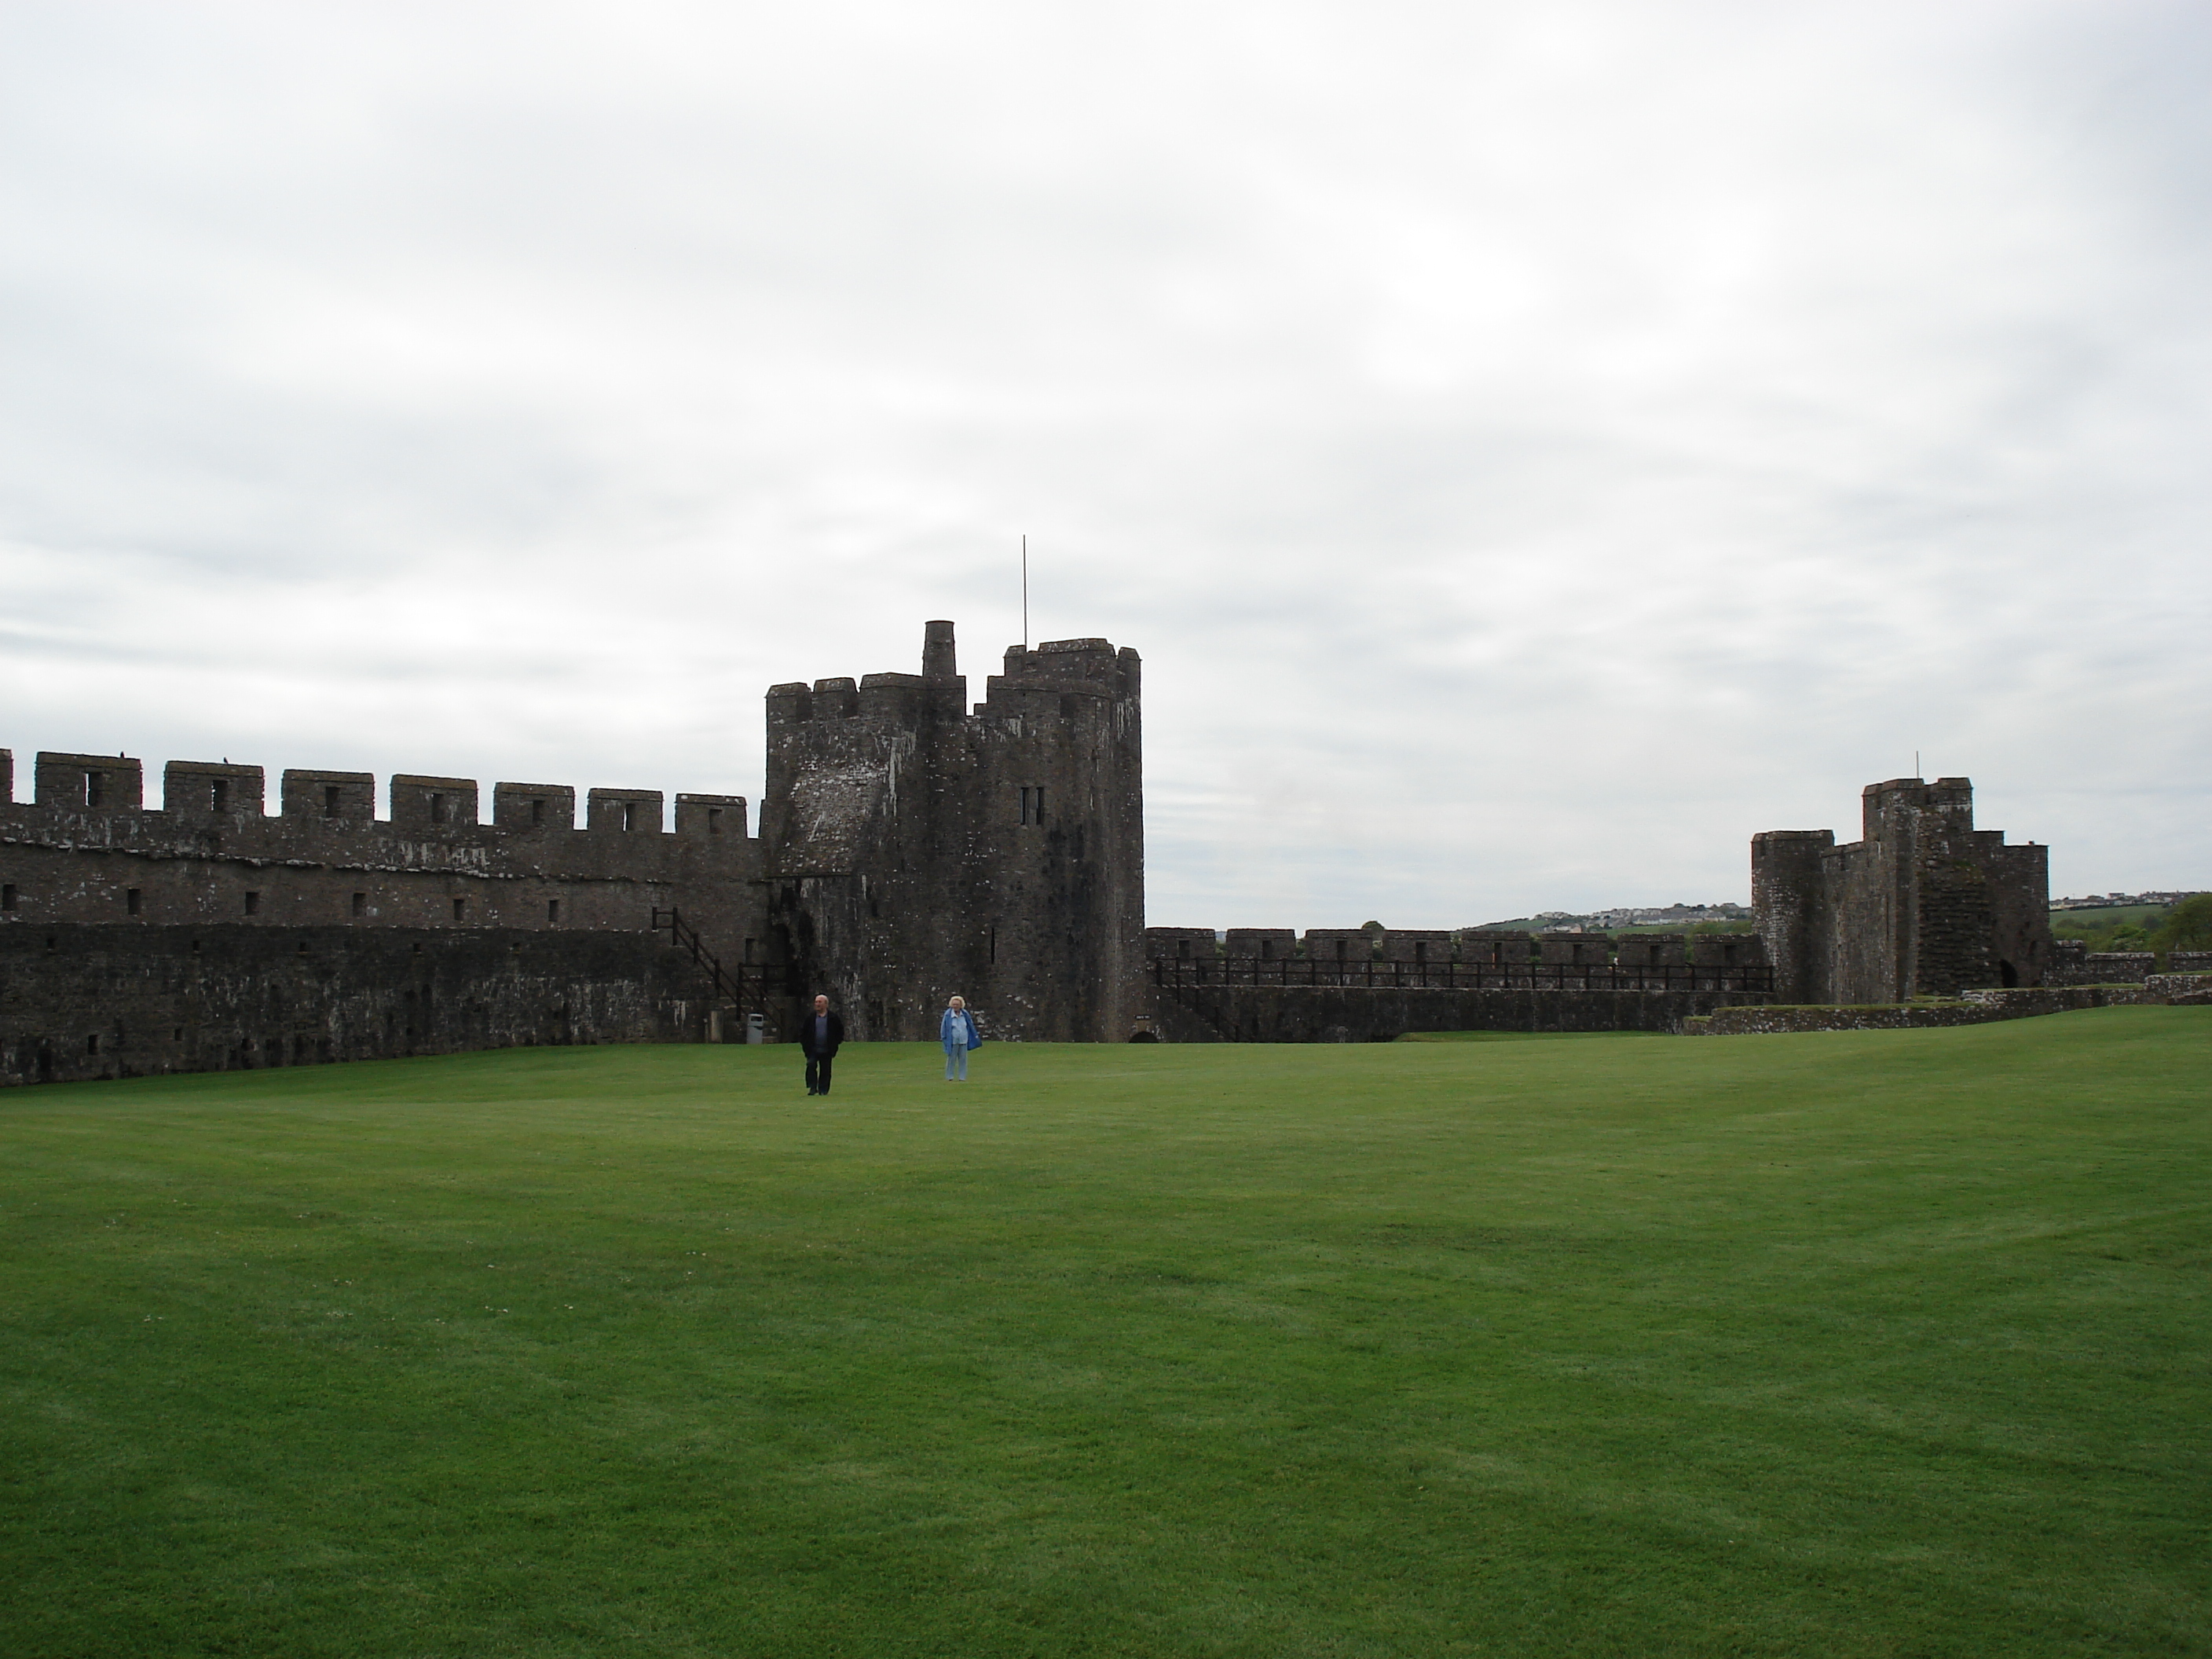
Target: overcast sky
(1534,445)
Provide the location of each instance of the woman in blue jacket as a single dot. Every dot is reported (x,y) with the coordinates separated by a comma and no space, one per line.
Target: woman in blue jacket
(957,1031)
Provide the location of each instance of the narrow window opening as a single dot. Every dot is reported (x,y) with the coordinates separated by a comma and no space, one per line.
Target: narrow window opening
(1267,950)
(1343,950)
(1182,948)
(8,897)
(460,909)
(359,905)
(91,1043)
(713,820)
(95,788)
(253,904)
(537,811)
(218,794)
(330,800)
(995,944)
(552,913)
(1420,951)
(178,1035)
(130,900)
(437,809)
(629,815)
(749,951)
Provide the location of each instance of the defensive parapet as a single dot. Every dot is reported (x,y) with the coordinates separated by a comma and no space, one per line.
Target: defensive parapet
(95,782)
(1496,947)
(421,803)
(1418,945)
(1354,983)
(1184,944)
(343,797)
(1641,950)
(88,850)
(213,789)
(533,806)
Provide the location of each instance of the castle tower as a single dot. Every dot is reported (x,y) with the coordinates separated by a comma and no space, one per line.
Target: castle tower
(917,848)
(1788,895)
(1923,904)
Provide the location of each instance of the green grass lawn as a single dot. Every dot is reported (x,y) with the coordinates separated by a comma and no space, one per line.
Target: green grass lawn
(1880,1343)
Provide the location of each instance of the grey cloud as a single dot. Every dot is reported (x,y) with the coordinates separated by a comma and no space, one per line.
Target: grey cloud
(1534,447)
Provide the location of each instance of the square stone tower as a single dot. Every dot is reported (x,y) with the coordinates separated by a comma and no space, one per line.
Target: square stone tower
(915,847)
(1923,904)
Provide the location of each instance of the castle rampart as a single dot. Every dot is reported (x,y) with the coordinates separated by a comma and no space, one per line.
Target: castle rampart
(910,845)
(1347,984)
(122,922)
(86,1001)
(211,854)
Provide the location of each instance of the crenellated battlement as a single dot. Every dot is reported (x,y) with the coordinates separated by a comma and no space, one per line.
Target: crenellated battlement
(1303,992)
(1359,950)
(1055,676)
(95,782)
(213,789)
(533,806)
(344,803)
(89,850)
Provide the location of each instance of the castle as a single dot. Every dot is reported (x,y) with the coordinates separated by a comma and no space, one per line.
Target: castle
(910,845)
(1923,904)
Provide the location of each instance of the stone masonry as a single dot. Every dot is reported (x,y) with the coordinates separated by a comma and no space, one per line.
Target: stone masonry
(1923,904)
(910,847)
(921,848)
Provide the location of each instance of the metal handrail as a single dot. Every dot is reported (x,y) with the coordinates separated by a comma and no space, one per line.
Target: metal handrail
(730,986)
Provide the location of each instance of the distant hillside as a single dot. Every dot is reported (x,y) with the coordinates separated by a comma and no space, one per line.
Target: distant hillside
(1632,918)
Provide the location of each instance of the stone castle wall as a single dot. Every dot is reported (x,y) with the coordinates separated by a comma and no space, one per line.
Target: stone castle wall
(88,1000)
(1269,984)
(86,850)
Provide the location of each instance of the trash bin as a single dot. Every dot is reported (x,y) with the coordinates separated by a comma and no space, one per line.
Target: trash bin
(757,1028)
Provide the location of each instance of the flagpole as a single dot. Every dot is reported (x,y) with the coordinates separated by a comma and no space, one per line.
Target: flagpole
(1025,592)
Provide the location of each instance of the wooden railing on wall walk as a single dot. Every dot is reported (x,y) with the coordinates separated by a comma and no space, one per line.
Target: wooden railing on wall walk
(1298,973)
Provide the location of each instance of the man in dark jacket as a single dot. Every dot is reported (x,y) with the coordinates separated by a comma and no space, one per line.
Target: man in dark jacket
(819,1034)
